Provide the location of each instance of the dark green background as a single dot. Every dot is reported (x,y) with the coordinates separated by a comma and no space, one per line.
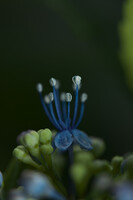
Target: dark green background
(40,39)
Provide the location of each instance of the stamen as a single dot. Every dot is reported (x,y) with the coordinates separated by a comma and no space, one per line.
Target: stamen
(39,87)
(53,116)
(51,96)
(63,100)
(77,81)
(84,97)
(74,86)
(63,121)
(47,99)
(63,96)
(57,86)
(53,83)
(68,99)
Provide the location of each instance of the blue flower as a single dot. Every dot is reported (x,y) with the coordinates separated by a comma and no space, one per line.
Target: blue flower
(37,185)
(1,180)
(124,191)
(67,127)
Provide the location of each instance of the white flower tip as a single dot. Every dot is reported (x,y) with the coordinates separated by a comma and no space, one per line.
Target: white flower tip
(68,97)
(39,87)
(63,96)
(51,96)
(57,86)
(53,82)
(76,80)
(47,99)
(84,97)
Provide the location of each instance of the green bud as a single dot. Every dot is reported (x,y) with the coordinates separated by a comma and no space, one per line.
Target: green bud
(101,166)
(84,157)
(45,136)
(81,176)
(129,166)
(78,172)
(46,149)
(116,164)
(31,139)
(98,146)
(22,155)
(31,142)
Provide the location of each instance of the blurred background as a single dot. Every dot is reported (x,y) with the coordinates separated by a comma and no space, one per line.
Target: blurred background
(48,38)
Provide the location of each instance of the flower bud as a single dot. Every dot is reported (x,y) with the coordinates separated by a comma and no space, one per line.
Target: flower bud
(98,146)
(116,164)
(101,166)
(78,172)
(127,165)
(46,149)
(31,143)
(84,157)
(22,155)
(45,136)
(80,175)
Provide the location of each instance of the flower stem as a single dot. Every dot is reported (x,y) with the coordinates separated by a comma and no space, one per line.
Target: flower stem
(72,191)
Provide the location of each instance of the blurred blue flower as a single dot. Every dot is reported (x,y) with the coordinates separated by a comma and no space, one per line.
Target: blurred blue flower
(124,191)
(68,132)
(1,179)
(37,185)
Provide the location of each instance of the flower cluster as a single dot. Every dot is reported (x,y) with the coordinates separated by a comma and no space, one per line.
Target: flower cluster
(35,148)
(69,173)
(35,186)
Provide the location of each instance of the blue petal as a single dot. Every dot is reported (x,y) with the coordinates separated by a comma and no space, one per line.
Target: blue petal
(82,139)
(63,140)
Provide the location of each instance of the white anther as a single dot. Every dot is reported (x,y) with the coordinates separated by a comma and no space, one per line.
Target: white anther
(47,99)
(51,96)
(63,96)
(68,97)
(76,80)
(57,86)
(53,82)
(39,87)
(84,97)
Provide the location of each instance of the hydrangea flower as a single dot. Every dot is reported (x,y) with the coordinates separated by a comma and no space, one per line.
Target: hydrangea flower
(67,128)
(124,191)
(37,185)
